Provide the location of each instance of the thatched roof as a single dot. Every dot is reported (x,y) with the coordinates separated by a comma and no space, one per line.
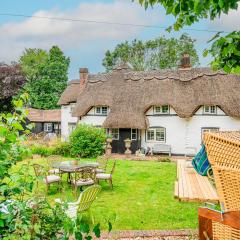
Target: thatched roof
(130,94)
(39,115)
(71,92)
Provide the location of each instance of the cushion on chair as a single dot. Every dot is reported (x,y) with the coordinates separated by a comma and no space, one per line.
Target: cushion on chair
(99,170)
(54,171)
(83,182)
(52,179)
(103,176)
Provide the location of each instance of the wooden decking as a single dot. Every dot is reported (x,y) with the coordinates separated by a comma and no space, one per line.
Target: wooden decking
(190,186)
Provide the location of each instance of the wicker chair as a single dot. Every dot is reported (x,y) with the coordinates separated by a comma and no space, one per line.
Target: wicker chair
(53,161)
(106,176)
(41,173)
(223,149)
(83,177)
(83,204)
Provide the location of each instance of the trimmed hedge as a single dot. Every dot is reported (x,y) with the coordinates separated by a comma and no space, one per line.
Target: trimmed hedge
(87,141)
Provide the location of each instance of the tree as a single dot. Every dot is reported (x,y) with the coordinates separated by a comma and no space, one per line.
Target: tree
(225,49)
(11,81)
(159,53)
(46,74)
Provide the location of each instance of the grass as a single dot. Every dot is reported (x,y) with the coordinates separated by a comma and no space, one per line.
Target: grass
(142,198)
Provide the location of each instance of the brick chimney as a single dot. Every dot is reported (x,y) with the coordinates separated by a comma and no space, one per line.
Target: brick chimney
(83,72)
(185,62)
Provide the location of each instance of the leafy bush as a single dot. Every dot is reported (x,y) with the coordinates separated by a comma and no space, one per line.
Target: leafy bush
(87,141)
(42,150)
(62,148)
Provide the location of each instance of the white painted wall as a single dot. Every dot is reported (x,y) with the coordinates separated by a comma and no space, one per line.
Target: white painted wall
(66,119)
(184,134)
(92,119)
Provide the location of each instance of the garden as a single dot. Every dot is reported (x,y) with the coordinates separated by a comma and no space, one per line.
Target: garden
(141,197)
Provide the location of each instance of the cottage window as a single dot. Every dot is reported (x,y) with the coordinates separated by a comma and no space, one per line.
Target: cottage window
(114,133)
(101,110)
(209,129)
(156,134)
(133,134)
(210,109)
(164,109)
(47,127)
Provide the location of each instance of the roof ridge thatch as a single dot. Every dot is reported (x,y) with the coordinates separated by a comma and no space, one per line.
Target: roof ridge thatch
(129,93)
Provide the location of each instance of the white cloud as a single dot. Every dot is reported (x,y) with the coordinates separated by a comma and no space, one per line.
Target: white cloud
(70,35)
(227,22)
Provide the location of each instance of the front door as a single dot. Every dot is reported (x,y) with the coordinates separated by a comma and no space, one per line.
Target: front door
(118,146)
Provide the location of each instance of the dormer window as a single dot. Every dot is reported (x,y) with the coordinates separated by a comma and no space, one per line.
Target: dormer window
(164,109)
(211,109)
(101,110)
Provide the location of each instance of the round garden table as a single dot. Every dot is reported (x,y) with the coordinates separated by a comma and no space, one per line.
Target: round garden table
(73,165)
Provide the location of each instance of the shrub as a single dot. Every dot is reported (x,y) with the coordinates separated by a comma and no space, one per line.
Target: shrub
(42,150)
(87,141)
(62,148)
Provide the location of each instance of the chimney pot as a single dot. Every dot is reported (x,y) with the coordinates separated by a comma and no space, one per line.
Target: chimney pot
(185,61)
(83,72)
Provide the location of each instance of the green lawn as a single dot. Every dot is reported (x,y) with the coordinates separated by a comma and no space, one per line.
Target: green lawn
(142,198)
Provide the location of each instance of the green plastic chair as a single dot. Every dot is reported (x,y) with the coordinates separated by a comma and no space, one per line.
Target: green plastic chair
(83,204)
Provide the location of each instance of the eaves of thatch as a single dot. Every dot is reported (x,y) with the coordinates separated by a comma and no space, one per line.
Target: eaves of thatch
(130,94)
(39,115)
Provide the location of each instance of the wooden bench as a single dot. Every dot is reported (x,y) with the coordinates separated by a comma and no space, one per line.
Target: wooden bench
(161,148)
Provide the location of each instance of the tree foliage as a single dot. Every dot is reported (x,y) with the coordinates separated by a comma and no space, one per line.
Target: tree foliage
(225,53)
(11,81)
(159,53)
(46,74)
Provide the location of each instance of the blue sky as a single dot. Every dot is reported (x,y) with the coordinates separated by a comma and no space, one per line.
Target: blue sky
(86,43)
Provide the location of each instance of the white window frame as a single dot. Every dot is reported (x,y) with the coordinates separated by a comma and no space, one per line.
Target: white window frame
(48,127)
(101,111)
(208,129)
(212,109)
(160,110)
(134,135)
(110,132)
(155,130)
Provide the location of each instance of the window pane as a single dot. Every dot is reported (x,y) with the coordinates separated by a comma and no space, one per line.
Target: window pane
(134,134)
(104,110)
(213,109)
(165,109)
(115,133)
(157,109)
(150,134)
(206,109)
(160,134)
(98,109)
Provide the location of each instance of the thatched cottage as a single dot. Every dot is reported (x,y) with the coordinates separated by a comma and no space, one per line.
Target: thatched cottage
(172,107)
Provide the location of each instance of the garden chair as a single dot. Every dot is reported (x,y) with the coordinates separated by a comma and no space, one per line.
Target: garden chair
(83,177)
(53,162)
(102,165)
(41,172)
(83,204)
(106,176)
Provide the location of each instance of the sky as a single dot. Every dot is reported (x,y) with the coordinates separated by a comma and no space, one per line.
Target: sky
(86,42)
